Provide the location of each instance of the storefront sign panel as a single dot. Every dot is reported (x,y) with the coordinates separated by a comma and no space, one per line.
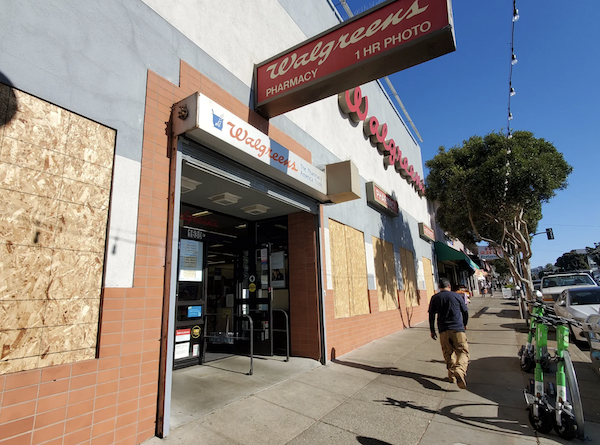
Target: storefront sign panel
(394,36)
(489,253)
(426,232)
(380,199)
(224,125)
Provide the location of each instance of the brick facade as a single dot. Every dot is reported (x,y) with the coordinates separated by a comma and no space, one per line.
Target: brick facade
(346,334)
(304,289)
(113,399)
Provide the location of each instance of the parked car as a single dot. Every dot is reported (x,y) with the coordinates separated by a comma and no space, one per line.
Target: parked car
(553,285)
(591,330)
(578,303)
(537,284)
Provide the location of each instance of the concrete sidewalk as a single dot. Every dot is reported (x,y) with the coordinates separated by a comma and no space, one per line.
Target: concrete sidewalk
(394,391)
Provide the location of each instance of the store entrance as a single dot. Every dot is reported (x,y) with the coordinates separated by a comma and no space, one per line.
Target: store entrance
(229,287)
(233,277)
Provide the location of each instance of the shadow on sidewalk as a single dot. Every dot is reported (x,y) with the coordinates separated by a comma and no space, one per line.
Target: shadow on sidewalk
(423,380)
(488,423)
(370,441)
(498,411)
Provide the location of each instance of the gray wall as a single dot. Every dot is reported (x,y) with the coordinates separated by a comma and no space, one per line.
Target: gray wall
(92,58)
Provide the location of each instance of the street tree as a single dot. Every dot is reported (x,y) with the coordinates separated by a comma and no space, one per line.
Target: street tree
(501,267)
(491,189)
(572,261)
(594,253)
(548,269)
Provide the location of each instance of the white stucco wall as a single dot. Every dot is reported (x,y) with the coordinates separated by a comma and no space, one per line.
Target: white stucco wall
(262,29)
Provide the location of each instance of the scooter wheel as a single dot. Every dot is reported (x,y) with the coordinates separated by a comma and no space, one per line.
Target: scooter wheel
(568,429)
(543,423)
(527,364)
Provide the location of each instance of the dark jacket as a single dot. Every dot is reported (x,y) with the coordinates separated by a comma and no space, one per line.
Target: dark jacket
(451,310)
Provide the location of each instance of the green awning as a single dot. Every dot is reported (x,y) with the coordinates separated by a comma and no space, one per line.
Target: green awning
(447,253)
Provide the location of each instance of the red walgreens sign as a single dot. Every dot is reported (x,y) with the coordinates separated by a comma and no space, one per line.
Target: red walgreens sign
(395,35)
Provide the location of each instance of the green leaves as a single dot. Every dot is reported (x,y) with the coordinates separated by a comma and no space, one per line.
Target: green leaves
(485,184)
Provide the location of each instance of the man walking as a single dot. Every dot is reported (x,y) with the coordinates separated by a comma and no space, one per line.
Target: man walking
(453,316)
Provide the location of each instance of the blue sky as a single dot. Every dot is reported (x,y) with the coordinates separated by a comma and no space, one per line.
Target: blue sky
(557,81)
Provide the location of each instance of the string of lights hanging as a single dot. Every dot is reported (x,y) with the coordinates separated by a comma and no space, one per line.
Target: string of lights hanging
(511,92)
(513,61)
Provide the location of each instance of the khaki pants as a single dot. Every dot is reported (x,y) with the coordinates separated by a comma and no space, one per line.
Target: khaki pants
(454,342)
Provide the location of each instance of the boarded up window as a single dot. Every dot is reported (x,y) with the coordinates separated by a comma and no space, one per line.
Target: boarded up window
(348,261)
(409,278)
(428,278)
(55,179)
(385,274)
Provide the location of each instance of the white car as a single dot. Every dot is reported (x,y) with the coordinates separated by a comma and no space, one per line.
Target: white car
(578,303)
(553,285)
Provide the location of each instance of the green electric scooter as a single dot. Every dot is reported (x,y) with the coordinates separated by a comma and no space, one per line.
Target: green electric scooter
(527,352)
(565,415)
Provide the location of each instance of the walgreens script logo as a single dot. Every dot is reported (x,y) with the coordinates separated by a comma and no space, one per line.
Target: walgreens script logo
(355,105)
(241,135)
(321,51)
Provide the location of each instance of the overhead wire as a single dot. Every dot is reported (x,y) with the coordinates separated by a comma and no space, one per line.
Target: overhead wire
(511,93)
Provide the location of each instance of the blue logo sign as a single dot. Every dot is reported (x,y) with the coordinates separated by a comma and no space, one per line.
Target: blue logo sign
(217,121)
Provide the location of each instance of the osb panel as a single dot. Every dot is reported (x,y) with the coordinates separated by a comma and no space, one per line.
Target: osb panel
(390,276)
(24,154)
(89,279)
(68,338)
(339,266)
(357,266)
(71,312)
(32,182)
(96,175)
(27,219)
(81,227)
(22,314)
(55,178)
(18,364)
(37,122)
(408,273)
(24,272)
(380,273)
(67,357)
(85,194)
(90,142)
(20,343)
(429,286)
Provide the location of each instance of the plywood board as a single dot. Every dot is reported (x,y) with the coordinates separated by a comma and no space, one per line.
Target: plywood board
(24,272)
(55,179)
(339,266)
(409,278)
(429,281)
(380,278)
(359,292)
(390,276)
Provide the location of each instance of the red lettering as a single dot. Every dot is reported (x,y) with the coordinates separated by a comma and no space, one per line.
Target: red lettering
(382,133)
(238,133)
(358,106)
(353,103)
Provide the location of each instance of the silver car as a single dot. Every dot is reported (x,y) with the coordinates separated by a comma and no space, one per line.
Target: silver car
(578,303)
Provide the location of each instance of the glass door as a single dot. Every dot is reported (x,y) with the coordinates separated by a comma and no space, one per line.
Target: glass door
(190,300)
(255,297)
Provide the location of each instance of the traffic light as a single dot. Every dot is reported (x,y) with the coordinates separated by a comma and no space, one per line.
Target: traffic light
(549,233)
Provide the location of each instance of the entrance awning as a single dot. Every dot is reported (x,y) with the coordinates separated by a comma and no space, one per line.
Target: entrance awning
(447,253)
